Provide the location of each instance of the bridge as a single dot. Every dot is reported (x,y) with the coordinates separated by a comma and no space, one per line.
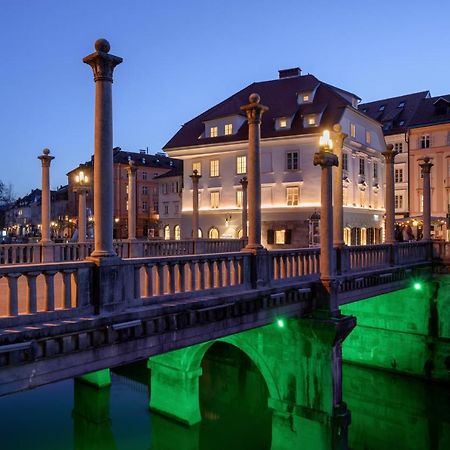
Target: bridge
(77,310)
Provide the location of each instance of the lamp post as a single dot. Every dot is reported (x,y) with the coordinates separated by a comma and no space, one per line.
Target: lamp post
(326,160)
(195,177)
(103,64)
(46,159)
(244,184)
(82,180)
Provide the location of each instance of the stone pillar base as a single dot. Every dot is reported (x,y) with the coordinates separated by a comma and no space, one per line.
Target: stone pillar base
(135,248)
(46,251)
(98,379)
(175,392)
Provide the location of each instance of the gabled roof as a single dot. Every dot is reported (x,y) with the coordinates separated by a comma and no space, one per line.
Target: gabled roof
(432,111)
(390,112)
(280,96)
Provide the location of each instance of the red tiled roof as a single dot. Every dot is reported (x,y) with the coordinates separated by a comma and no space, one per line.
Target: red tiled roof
(281,97)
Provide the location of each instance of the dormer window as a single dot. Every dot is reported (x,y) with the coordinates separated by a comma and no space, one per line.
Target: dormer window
(312,120)
(228,128)
(401,105)
(381,108)
(282,122)
(305,97)
(213,132)
(401,123)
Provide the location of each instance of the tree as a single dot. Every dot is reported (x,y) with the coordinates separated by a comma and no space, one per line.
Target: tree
(6,193)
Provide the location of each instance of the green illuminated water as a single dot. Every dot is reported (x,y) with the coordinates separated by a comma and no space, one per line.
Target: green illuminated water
(387,412)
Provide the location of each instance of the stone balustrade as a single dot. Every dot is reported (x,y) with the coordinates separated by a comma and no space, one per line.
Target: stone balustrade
(412,252)
(362,257)
(44,291)
(296,263)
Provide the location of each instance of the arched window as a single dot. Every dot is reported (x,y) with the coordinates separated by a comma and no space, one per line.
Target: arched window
(347,235)
(239,233)
(213,233)
(177,232)
(200,233)
(363,236)
(167,232)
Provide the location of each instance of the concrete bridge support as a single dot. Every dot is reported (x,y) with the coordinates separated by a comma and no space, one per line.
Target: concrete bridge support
(301,365)
(406,331)
(98,379)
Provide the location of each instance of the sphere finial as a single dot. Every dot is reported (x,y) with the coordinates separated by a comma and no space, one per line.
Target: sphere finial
(337,128)
(389,147)
(46,151)
(102,45)
(254,98)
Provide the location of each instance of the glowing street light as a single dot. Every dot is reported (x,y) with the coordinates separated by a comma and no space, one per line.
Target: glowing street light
(325,142)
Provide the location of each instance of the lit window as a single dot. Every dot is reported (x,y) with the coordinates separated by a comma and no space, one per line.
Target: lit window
(280,236)
(368,137)
(228,128)
(398,175)
(214,168)
(398,147)
(215,198)
(352,130)
(241,164)
(362,166)
(306,98)
(425,141)
(197,166)
(292,196)
(213,233)
(167,232)
(282,123)
(213,132)
(239,197)
(177,232)
(375,170)
(292,160)
(344,161)
(311,120)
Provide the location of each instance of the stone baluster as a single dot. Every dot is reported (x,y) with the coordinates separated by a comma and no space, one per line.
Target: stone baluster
(148,280)
(13,294)
(103,65)
(159,279)
(32,292)
(50,290)
(67,283)
(182,276)
(193,275)
(425,167)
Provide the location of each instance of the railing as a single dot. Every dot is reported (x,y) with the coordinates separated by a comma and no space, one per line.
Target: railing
(41,289)
(441,250)
(363,257)
(72,251)
(20,253)
(166,276)
(413,252)
(296,263)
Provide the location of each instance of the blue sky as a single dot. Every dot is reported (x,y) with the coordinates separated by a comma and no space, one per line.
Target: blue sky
(181,57)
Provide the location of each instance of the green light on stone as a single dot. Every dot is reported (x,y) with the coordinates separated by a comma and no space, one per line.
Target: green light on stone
(280,323)
(417,286)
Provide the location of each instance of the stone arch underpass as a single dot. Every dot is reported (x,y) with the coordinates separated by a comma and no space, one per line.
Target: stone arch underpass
(300,364)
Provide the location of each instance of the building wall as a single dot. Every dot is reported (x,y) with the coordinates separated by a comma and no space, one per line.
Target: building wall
(170,193)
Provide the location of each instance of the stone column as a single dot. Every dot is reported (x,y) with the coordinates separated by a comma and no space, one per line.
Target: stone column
(131,169)
(389,156)
(82,192)
(103,64)
(338,196)
(195,222)
(426,166)
(254,111)
(244,184)
(46,160)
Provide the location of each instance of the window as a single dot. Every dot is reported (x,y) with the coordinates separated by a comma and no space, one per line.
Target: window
(292,196)
(241,164)
(344,161)
(401,123)
(311,120)
(167,232)
(398,175)
(398,147)
(144,175)
(214,168)
(345,196)
(239,198)
(398,201)
(176,206)
(382,107)
(368,137)
(352,130)
(213,233)
(177,232)
(215,198)
(197,166)
(280,236)
(282,123)
(164,188)
(305,98)
(425,141)
(228,128)
(166,208)
(362,166)
(375,170)
(401,105)
(292,160)
(144,190)
(144,206)
(213,132)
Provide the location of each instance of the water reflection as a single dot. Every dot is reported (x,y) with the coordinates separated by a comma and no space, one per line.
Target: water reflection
(387,412)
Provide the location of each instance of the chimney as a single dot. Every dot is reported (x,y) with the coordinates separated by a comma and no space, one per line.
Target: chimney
(288,73)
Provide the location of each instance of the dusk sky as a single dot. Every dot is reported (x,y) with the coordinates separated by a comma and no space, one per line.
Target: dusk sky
(182,57)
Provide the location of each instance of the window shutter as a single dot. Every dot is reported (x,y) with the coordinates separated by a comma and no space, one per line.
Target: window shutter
(270,236)
(288,237)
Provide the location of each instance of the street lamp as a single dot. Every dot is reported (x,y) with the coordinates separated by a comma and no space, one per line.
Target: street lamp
(325,142)
(82,181)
